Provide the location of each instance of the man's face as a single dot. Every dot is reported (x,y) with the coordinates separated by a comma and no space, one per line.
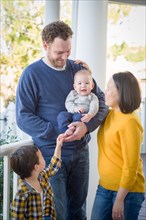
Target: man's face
(57,52)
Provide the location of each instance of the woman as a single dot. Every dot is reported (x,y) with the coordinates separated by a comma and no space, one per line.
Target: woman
(120,192)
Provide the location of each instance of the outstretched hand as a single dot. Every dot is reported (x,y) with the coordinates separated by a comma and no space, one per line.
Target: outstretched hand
(59,143)
(60,140)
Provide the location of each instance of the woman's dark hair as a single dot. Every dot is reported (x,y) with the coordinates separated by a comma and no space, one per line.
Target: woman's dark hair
(56,29)
(23,160)
(129,91)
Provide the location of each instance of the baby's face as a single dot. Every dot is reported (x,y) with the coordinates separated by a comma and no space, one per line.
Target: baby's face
(83,84)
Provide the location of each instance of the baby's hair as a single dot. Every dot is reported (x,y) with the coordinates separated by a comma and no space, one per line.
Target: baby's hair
(23,160)
(83,72)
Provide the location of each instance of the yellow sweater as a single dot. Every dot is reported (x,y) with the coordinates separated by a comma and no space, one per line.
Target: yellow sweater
(119,162)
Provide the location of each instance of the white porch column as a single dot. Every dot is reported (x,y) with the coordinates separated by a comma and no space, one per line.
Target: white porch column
(91,48)
(52,11)
(74,26)
(91,36)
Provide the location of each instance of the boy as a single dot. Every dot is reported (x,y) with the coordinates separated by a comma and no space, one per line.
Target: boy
(81,103)
(34,198)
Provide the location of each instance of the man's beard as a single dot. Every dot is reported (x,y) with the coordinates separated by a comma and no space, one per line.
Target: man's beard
(57,63)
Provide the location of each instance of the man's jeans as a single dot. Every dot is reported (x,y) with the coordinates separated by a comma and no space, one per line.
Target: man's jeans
(47,218)
(104,200)
(70,186)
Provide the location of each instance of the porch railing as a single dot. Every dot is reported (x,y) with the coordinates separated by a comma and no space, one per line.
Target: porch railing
(5,152)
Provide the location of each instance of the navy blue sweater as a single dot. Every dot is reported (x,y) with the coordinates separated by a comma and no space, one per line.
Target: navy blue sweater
(40,97)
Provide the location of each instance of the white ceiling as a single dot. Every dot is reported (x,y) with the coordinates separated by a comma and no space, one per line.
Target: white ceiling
(135,2)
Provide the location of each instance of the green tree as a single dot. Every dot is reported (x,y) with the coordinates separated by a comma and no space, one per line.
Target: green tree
(117,13)
(131,54)
(20,40)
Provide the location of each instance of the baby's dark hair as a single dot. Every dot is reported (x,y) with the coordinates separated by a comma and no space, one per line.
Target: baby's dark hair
(56,29)
(23,160)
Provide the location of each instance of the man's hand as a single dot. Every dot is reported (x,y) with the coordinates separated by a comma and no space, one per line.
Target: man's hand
(79,132)
(85,65)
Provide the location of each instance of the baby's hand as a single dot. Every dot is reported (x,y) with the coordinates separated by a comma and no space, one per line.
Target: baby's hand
(87,117)
(80,110)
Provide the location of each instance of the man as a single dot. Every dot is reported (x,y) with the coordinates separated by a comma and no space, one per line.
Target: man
(41,93)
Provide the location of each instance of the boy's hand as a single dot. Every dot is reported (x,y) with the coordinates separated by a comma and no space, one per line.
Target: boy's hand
(60,140)
(59,143)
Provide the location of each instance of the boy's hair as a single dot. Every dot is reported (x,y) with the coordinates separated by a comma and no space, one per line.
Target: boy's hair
(56,29)
(129,91)
(23,160)
(83,72)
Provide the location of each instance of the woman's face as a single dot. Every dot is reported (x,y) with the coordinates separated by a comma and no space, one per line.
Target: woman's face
(112,95)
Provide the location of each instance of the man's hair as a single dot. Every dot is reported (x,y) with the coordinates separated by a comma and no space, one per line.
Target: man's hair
(56,29)
(129,91)
(23,160)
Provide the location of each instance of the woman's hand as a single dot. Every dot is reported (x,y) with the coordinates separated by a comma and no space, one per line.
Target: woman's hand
(118,210)
(118,207)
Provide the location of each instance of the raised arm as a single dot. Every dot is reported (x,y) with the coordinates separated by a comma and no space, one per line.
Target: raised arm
(55,163)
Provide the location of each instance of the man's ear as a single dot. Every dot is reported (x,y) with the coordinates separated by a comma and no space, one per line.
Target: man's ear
(45,45)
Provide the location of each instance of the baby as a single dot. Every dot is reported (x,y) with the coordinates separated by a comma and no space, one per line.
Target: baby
(81,103)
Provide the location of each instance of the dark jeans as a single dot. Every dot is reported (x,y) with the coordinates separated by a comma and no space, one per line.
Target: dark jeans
(104,200)
(65,118)
(47,218)
(70,186)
